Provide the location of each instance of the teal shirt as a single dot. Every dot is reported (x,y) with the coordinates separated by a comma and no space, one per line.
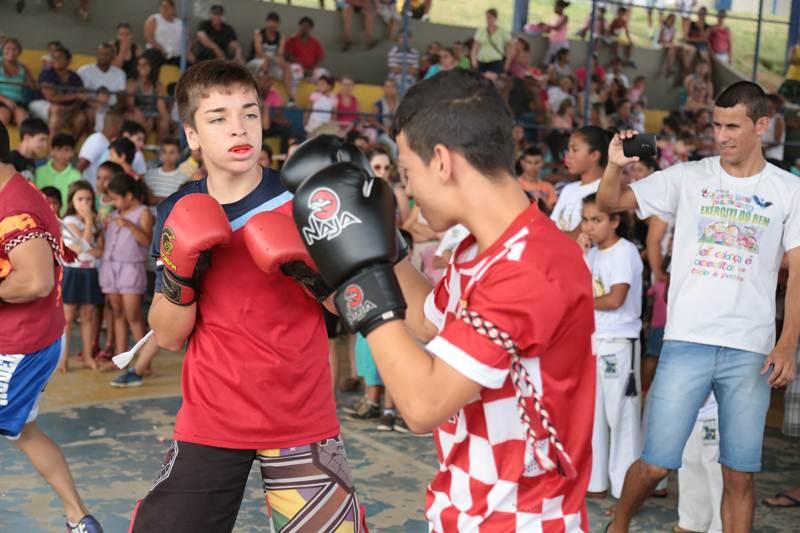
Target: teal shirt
(47,176)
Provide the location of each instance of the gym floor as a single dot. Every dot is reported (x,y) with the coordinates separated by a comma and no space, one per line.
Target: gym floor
(115,439)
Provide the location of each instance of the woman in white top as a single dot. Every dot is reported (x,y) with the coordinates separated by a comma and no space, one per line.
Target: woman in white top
(775,136)
(163,32)
(80,286)
(323,106)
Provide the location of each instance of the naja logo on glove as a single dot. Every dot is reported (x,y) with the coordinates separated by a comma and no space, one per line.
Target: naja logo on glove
(357,306)
(325,221)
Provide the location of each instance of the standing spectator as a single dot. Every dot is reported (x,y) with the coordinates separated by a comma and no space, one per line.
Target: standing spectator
(720,332)
(347,105)
(53,196)
(14,79)
(95,147)
(489,45)
(719,39)
(621,36)
(33,135)
(447,61)
(58,172)
(63,103)
(560,67)
(162,35)
(269,50)
(146,100)
(217,39)
(623,119)
(529,177)
(122,271)
(103,74)
(666,41)
(403,64)
(304,50)
(774,138)
(126,51)
(134,131)
(557,31)
(697,39)
(122,151)
(367,10)
(167,178)
(80,286)
(323,105)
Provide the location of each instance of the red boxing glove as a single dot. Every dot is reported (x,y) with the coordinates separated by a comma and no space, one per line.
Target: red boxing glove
(196,224)
(275,245)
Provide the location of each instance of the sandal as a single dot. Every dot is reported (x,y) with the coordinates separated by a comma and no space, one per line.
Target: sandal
(793,502)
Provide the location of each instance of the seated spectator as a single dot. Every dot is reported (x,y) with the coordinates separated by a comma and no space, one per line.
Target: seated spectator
(701,74)
(697,39)
(166,179)
(103,74)
(447,61)
(489,45)
(597,70)
(518,59)
(58,172)
(323,106)
(347,105)
(63,103)
(388,12)
(719,39)
(637,92)
(162,35)
(600,26)
(33,134)
(403,63)
(558,93)
(623,118)
(217,39)
(268,54)
(146,100)
(14,79)
(615,94)
(125,50)
(557,31)
(461,59)
(666,41)
(134,132)
(564,119)
(618,31)
(383,112)
(95,147)
(304,52)
(559,67)
(616,73)
(367,10)
(699,98)
(47,58)
(790,88)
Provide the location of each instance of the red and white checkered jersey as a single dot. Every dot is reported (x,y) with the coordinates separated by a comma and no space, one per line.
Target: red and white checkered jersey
(534,284)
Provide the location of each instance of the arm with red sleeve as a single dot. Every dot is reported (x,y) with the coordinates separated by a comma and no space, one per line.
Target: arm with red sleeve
(429,390)
(28,272)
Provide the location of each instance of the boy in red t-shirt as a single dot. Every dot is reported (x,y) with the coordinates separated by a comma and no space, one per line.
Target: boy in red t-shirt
(507,376)
(256,384)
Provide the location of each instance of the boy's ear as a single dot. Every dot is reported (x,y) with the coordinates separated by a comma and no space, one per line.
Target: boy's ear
(191,137)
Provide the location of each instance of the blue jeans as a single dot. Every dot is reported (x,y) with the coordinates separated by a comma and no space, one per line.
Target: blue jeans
(687,372)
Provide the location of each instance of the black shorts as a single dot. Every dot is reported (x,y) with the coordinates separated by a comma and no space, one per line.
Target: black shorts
(199,489)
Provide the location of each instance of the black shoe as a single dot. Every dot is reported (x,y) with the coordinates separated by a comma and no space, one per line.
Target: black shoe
(367,411)
(386,422)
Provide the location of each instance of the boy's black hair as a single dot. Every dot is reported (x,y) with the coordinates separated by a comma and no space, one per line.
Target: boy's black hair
(125,148)
(32,127)
(115,168)
(463,111)
(747,93)
(63,140)
(52,192)
(132,128)
(171,141)
(532,150)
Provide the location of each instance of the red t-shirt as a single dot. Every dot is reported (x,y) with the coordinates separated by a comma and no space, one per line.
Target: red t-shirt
(308,53)
(534,284)
(346,112)
(256,371)
(24,215)
(720,40)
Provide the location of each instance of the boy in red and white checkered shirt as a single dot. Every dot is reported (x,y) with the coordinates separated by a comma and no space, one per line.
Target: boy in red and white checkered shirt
(515,303)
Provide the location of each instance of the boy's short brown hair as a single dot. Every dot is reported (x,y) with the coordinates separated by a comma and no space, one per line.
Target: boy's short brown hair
(198,80)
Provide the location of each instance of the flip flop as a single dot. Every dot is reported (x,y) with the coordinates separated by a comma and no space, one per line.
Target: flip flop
(794,501)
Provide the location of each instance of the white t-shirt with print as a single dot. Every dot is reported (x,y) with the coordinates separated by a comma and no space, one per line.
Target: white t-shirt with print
(93,150)
(569,207)
(730,236)
(618,264)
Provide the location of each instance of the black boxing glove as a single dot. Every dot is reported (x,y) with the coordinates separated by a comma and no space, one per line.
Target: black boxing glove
(346,218)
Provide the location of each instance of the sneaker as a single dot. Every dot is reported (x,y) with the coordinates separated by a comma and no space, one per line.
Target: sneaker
(386,422)
(88,524)
(128,379)
(367,411)
(354,407)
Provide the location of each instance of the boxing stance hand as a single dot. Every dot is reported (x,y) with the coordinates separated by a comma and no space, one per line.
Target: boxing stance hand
(275,246)
(346,219)
(196,224)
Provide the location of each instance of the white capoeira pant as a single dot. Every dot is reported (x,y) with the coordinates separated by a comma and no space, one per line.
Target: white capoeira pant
(700,476)
(616,437)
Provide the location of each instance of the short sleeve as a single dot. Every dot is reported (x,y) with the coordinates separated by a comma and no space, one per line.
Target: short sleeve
(791,228)
(92,149)
(622,267)
(504,299)
(18,227)
(658,193)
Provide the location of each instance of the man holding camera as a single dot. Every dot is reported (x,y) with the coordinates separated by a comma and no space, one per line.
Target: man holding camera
(735,216)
